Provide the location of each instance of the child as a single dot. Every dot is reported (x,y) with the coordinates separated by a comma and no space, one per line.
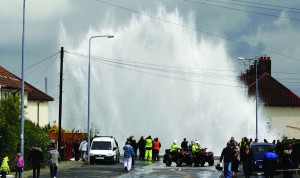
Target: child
(4,167)
(19,162)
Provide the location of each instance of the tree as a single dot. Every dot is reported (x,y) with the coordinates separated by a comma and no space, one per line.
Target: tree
(10,110)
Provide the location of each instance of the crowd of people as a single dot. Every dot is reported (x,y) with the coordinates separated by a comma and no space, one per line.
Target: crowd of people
(234,154)
(148,150)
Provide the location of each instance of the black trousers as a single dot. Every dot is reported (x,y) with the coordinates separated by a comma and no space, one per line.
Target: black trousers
(36,170)
(3,174)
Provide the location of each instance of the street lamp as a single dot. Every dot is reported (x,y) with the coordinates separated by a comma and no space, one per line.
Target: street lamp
(89,90)
(256,90)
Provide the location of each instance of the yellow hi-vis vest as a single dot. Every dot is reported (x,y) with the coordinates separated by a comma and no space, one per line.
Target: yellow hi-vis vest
(148,143)
(174,147)
(195,148)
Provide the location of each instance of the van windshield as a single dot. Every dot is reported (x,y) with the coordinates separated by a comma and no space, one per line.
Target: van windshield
(101,145)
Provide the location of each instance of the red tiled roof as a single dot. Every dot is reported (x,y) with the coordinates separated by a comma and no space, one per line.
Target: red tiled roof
(11,81)
(273,93)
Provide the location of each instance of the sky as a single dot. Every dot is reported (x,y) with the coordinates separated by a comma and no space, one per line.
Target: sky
(246,28)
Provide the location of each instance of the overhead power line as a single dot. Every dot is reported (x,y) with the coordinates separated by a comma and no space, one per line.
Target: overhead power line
(163,68)
(123,66)
(198,30)
(259,13)
(257,7)
(270,5)
(41,62)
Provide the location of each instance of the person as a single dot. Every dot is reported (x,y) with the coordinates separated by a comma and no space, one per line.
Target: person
(232,141)
(269,163)
(4,167)
(76,146)
(128,154)
(174,149)
(19,163)
(279,150)
(134,146)
(227,154)
(156,148)
(235,161)
(287,165)
(148,148)
(142,145)
(36,157)
(97,135)
(247,158)
(265,141)
(83,149)
(295,156)
(195,147)
(184,144)
(54,158)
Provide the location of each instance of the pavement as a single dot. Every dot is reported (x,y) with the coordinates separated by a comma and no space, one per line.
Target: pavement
(63,165)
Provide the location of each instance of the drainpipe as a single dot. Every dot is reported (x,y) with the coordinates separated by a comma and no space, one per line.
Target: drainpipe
(38,112)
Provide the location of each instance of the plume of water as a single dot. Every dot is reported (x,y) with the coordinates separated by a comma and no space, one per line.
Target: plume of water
(157,79)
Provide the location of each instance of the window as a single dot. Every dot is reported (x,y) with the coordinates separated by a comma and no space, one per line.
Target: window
(101,145)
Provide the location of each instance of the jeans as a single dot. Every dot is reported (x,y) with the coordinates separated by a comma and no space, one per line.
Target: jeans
(53,170)
(227,169)
(127,163)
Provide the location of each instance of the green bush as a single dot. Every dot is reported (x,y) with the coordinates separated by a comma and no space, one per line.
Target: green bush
(10,109)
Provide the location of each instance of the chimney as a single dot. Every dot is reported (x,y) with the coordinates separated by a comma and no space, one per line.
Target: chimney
(264,65)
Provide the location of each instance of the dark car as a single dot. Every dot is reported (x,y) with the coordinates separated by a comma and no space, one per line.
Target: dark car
(259,150)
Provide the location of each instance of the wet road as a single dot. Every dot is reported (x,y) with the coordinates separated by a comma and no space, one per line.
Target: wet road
(141,169)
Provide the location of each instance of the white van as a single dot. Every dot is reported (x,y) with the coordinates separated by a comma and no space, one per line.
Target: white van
(104,149)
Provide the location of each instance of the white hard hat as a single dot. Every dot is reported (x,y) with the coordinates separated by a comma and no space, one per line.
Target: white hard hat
(197,142)
(175,141)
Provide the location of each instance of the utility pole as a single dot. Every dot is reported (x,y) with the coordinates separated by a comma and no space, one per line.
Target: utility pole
(60,95)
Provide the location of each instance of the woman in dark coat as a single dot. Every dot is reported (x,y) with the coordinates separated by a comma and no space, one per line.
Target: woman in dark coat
(142,144)
(247,159)
(235,161)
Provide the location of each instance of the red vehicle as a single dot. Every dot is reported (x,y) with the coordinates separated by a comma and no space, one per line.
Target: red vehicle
(184,156)
(203,156)
(180,157)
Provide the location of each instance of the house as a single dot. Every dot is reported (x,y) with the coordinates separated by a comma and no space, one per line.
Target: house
(37,109)
(280,106)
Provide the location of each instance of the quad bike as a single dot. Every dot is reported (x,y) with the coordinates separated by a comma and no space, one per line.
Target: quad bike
(203,156)
(184,156)
(169,157)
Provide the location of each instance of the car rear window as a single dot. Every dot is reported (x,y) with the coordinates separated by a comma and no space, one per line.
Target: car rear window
(260,149)
(101,145)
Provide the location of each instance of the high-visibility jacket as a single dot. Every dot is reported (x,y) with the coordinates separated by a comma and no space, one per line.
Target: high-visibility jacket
(148,143)
(174,147)
(195,148)
(156,145)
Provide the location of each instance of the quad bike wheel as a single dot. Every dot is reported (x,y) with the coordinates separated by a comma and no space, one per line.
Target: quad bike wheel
(179,162)
(211,162)
(168,162)
(202,162)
